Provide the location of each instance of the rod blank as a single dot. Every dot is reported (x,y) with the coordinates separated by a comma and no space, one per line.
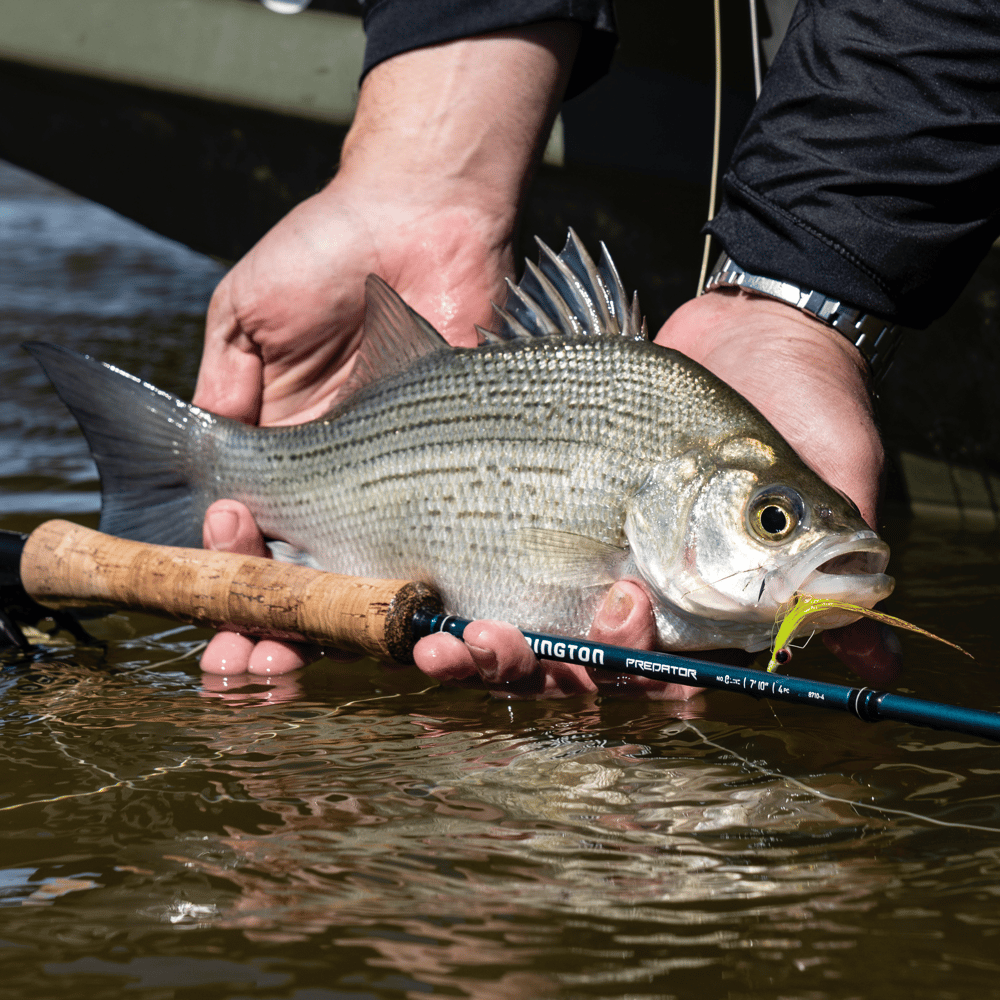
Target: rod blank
(865,703)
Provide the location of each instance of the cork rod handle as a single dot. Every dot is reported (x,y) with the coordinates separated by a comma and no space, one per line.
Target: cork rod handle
(65,565)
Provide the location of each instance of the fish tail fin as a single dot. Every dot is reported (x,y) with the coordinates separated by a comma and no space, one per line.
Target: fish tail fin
(141,439)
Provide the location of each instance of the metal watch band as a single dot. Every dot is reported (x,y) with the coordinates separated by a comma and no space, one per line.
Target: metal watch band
(875,338)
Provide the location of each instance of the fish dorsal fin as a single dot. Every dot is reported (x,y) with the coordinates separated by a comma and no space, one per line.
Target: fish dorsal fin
(490,336)
(395,336)
(567,294)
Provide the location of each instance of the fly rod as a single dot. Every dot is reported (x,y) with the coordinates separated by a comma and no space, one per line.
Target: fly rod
(864,702)
(64,565)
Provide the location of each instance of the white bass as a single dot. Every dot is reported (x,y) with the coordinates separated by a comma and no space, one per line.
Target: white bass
(520,478)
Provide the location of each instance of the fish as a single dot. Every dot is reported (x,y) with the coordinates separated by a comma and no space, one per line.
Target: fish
(520,478)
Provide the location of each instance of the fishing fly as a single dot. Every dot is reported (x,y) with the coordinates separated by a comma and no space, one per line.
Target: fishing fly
(790,619)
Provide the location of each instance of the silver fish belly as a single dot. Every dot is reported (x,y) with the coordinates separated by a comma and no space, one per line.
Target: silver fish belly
(520,478)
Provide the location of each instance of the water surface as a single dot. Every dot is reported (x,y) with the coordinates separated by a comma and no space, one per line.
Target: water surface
(353,832)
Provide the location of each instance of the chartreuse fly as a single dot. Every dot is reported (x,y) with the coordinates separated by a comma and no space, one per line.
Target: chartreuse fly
(791,618)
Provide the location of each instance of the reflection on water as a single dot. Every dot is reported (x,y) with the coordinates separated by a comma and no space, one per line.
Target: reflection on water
(348,832)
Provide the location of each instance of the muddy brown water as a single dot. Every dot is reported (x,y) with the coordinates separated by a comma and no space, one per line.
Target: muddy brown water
(352,832)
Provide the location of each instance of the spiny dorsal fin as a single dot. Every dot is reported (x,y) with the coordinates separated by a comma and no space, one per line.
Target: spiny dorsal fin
(509,327)
(395,336)
(527,313)
(489,336)
(593,315)
(609,274)
(568,295)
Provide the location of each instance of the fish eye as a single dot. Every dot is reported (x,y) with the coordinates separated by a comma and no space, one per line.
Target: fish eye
(774,513)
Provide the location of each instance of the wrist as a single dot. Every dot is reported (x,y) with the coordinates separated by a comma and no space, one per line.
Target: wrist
(723,318)
(873,337)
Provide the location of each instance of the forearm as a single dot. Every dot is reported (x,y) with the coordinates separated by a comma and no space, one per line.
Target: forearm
(465,121)
(869,167)
(396,26)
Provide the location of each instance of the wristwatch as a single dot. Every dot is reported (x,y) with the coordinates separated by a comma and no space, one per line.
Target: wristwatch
(875,338)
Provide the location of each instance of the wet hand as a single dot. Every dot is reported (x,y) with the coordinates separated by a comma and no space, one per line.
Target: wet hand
(284,323)
(804,376)
(229,527)
(494,655)
(431,180)
(812,385)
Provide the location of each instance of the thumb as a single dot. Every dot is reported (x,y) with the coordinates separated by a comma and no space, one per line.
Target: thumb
(625,618)
(229,527)
(230,377)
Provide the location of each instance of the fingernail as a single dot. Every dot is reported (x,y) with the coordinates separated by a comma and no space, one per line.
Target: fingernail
(485,657)
(486,662)
(617,607)
(221,528)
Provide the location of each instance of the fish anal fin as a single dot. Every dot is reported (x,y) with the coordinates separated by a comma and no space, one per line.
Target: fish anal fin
(288,553)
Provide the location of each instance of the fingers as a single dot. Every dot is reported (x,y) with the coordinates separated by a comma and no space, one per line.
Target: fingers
(230,527)
(870,648)
(494,655)
(230,376)
(227,653)
(445,659)
(626,619)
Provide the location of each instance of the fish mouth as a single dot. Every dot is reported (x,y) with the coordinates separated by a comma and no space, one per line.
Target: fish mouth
(840,569)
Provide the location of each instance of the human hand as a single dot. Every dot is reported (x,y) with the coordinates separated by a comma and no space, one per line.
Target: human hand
(804,376)
(285,321)
(494,655)
(431,181)
(812,385)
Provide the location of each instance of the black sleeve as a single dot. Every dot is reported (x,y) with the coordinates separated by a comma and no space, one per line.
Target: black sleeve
(870,167)
(394,26)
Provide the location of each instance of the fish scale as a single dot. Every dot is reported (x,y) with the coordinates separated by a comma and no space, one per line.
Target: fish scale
(520,478)
(545,459)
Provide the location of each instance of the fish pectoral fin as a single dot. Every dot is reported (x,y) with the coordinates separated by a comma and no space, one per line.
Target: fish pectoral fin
(563,557)
(395,336)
